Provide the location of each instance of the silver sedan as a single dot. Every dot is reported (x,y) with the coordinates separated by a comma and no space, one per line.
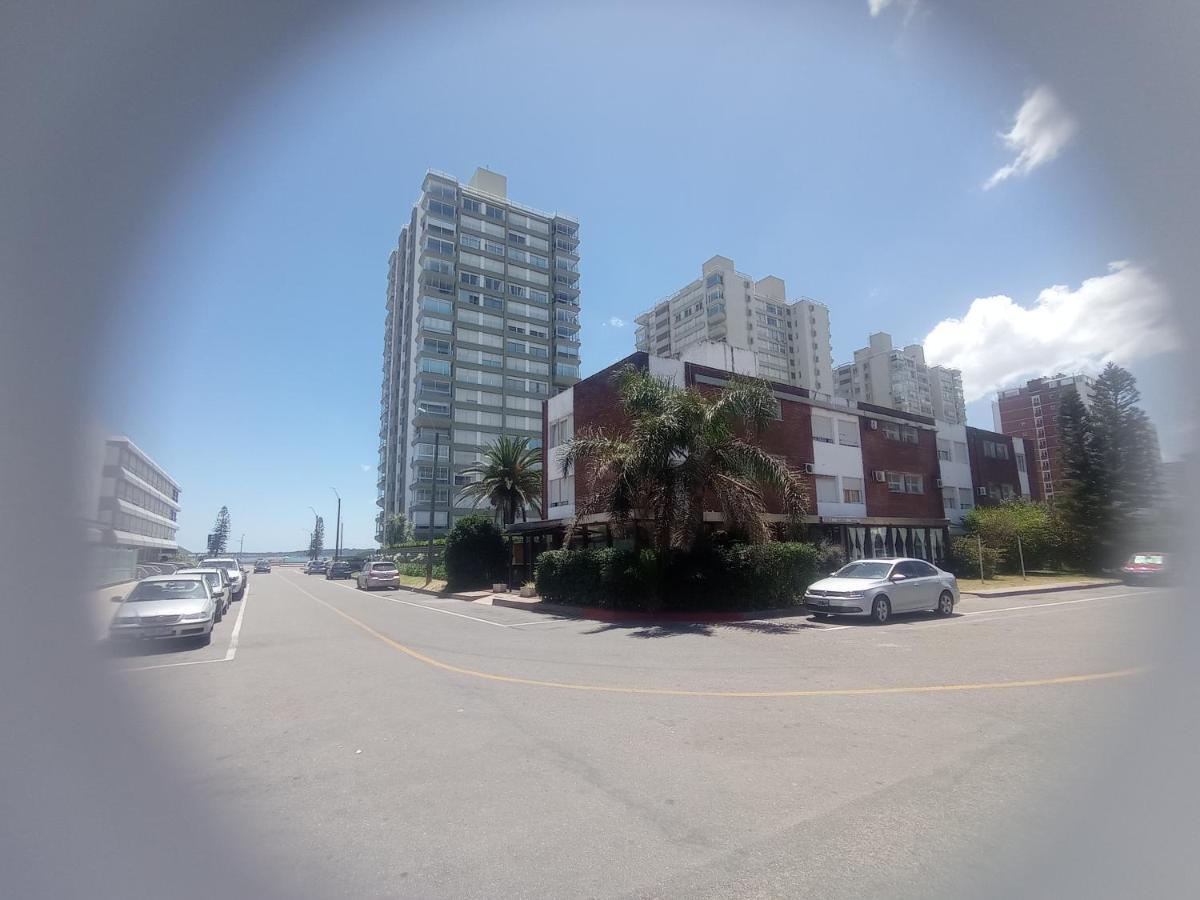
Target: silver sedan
(166,607)
(880,587)
(378,574)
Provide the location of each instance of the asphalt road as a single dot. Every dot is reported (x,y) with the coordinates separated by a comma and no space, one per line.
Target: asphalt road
(398,745)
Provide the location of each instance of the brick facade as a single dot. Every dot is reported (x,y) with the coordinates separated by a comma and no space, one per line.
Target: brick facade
(989,472)
(881,453)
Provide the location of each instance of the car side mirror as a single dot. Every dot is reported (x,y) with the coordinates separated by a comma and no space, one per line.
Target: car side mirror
(897,577)
(116,598)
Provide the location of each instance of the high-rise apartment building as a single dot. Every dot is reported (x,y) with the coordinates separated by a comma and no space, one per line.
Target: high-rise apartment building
(899,378)
(482,326)
(1031,412)
(789,339)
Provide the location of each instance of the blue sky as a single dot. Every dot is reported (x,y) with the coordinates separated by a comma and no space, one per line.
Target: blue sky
(841,151)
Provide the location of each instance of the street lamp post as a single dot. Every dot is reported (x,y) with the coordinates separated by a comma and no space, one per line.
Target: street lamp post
(241,547)
(337,528)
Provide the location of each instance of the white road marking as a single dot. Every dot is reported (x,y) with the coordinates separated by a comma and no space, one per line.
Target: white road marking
(229,654)
(237,626)
(430,608)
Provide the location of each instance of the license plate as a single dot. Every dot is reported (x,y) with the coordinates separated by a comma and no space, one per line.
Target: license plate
(157,632)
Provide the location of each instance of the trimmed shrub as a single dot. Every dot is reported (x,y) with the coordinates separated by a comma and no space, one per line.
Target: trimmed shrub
(735,577)
(417,569)
(476,554)
(963,560)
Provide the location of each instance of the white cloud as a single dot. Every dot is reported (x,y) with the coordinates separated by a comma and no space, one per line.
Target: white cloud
(1119,317)
(616,322)
(876,7)
(1042,128)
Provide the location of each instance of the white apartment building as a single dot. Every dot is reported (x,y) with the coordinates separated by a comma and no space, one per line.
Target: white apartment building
(790,339)
(899,378)
(482,327)
(131,510)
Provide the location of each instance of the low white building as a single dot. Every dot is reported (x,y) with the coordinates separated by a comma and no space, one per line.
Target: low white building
(131,510)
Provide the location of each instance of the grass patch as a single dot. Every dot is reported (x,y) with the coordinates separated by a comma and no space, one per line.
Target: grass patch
(1032,580)
(438,584)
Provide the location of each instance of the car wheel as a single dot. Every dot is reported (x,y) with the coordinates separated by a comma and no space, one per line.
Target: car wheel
(945,605)
(881,610)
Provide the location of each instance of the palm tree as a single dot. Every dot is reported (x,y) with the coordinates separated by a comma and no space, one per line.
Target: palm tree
(509,478)
(680,449)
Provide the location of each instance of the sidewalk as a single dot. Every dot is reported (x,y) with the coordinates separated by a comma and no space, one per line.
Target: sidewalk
(1042,589)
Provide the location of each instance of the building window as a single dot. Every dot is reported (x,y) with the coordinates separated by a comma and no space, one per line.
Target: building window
(435,366)
(994,450)
(826,488)
(562,431)
(852,490)
(948,498)
(943,449)
(896,432)
(822,429)
(966,500)
(960,452)
(905,483)
(847,433)
(1021,462)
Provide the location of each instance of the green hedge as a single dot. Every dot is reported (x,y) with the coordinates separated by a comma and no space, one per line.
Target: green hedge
(963,560)
(476,554)
(417,569)
(736,577)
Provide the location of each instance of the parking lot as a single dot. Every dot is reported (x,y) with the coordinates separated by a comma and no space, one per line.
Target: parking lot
(398,744)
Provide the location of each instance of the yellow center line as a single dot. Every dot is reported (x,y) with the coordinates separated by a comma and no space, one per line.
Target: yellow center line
(674,692)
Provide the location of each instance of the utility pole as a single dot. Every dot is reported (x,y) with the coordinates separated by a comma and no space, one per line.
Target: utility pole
(241,547)
(337,528)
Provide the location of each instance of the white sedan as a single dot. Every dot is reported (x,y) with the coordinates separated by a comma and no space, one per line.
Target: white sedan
(881,587)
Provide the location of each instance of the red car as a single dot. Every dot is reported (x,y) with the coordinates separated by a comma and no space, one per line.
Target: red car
(1145,567)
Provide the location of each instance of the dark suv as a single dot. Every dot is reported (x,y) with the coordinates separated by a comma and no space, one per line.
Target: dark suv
(338,569)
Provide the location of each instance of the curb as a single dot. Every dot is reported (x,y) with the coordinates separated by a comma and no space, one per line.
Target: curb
(599,614)
(1053,589)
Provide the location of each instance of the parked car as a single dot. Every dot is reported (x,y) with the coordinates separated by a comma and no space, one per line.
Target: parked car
(339,569)
(166,607)
(262,565)
(237,576)
(316,567)
(377,574)
(881,587)
(218,583)
(1148,567)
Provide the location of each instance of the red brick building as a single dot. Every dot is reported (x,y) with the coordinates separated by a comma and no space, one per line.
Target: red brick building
(872,472)
(994,472)
(1031,412)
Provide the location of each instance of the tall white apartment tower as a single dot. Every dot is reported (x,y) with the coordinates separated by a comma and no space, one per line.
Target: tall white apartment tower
(789,339)
(482,326)
(899,378)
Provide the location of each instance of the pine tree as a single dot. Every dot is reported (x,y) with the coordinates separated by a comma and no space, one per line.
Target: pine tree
(317,544)
(1111,470)
(219,538)
(1083,504)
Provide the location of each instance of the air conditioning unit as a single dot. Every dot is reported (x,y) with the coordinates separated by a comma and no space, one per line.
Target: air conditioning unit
(879,475)
(874,424)
(981,491)
(939,482)
(809,468)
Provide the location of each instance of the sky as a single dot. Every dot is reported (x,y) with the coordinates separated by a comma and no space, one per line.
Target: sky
(868,154)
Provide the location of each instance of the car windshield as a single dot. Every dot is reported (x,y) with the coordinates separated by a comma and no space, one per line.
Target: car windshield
(167,590)
(223,563)
(383,567)
(1148,559)
(864,569)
